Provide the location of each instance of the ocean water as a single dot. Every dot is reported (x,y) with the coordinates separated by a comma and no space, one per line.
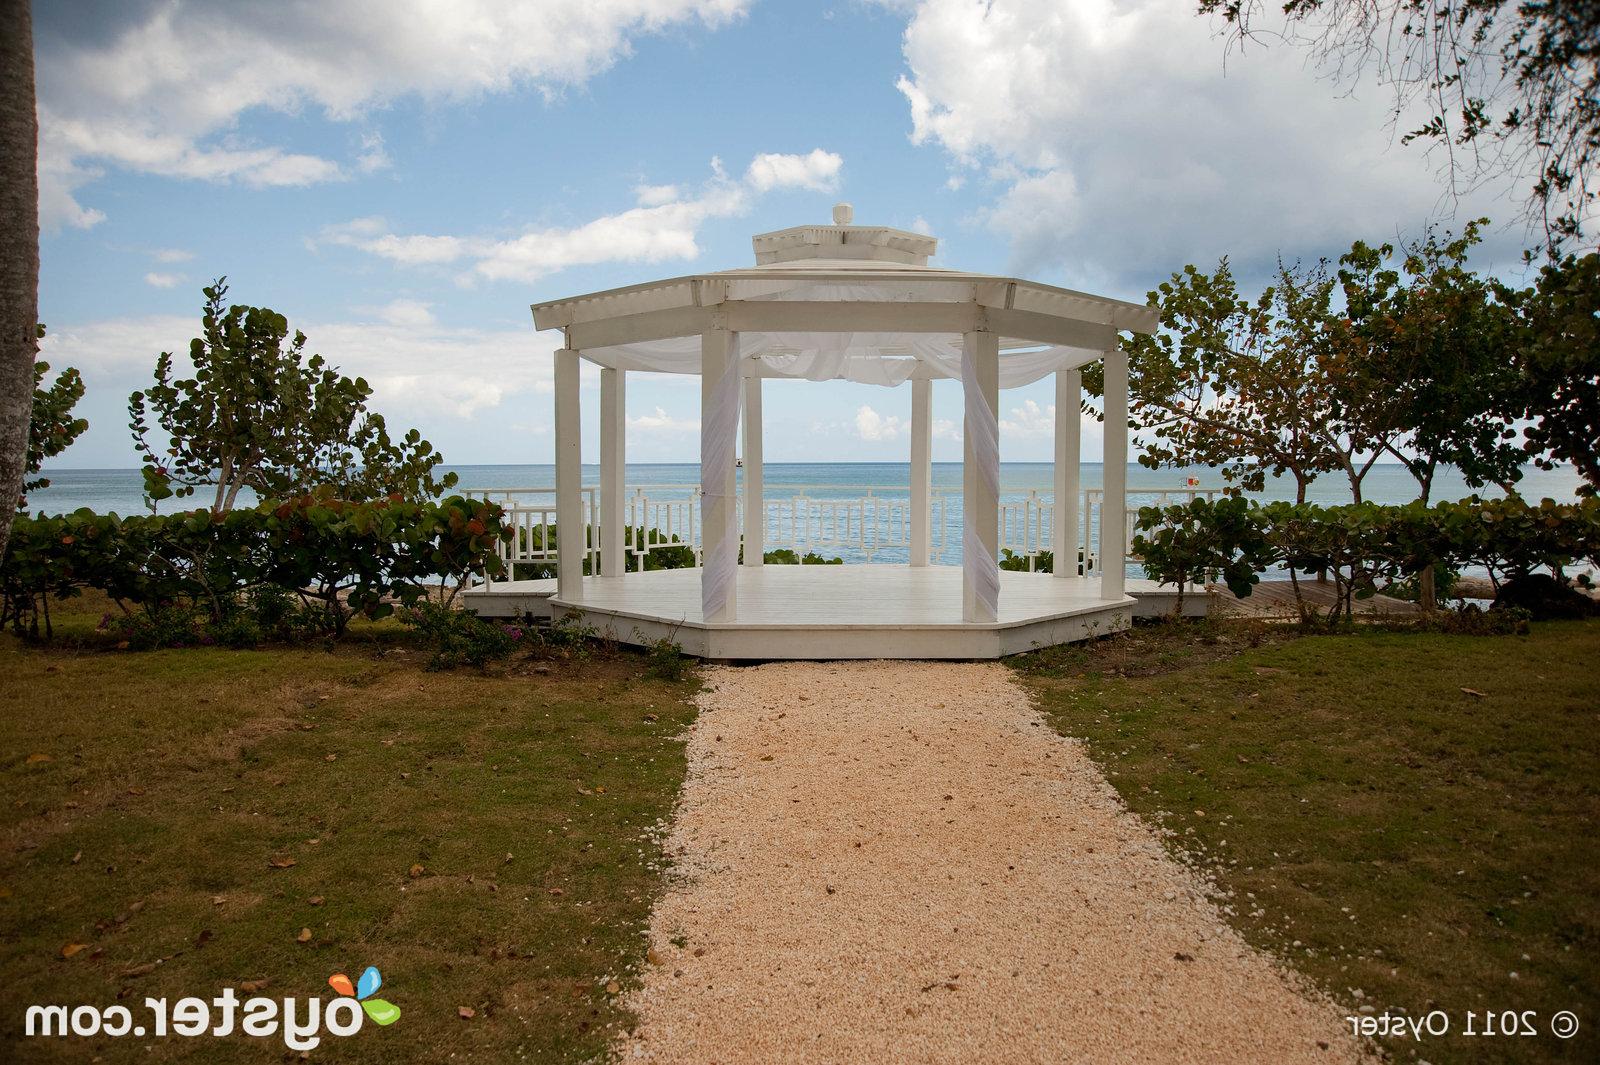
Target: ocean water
(120,491)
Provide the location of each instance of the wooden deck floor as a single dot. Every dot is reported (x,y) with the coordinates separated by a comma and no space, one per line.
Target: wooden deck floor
(858,611)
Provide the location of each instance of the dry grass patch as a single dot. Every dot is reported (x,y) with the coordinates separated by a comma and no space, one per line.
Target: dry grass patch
(486,841)
(1412,817)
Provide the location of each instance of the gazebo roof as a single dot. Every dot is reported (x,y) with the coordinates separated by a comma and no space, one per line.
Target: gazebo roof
(844,301)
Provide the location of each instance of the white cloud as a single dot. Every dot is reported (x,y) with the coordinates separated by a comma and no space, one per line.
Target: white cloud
(661,423)
(664,226)
(161,87)
(944,429)
(373,155)
(818,171)
(59,178)
(411,313)
(1030,419)
(872,426)
(163,280)
(171,255)
(656,195)
(417,372)
(1118,143)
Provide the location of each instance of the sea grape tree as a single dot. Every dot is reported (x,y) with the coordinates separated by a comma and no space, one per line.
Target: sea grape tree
(258,413)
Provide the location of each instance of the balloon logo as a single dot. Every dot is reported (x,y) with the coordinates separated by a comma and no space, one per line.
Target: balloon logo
(376,1008)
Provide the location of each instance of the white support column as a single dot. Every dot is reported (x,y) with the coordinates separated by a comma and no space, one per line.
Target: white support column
(980,497)
(613,471)
(755,504)
(1114,502)
(921,471)
(719,429)
(571,536)
(1069,427)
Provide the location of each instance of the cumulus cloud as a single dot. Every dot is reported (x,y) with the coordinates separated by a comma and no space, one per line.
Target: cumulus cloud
(659,423)
(1118,145)
(403,313)
(160,87)
(817,171)
(171,255)
(663,226)
(656,195)
(374,156)
(160,280)
(1030,419)
(872,426)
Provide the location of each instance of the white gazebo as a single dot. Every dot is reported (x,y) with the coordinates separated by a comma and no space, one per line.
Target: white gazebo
(862,304)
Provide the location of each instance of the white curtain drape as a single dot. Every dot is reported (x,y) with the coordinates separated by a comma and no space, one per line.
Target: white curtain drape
(719,427)
(866,358)
(979,566)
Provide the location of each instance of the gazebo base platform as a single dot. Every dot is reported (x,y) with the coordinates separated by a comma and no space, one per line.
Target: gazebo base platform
(825,612)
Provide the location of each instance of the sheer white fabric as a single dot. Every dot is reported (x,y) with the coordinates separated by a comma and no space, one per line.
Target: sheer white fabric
(719,426)
(980,568)
(866,358)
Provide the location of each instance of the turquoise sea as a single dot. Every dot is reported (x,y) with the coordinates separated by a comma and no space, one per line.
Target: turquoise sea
(120,490)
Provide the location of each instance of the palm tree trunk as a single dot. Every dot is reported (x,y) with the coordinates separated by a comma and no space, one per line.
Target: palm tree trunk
(19,251)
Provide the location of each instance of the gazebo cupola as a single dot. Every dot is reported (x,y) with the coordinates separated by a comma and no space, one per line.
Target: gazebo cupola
(844,243)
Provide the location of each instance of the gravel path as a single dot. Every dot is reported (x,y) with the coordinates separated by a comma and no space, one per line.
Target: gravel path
(888,861)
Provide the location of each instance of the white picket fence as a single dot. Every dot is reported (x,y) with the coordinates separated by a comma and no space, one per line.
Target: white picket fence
(862,521)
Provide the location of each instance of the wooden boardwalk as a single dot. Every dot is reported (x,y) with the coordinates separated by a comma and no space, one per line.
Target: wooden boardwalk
(1275,599)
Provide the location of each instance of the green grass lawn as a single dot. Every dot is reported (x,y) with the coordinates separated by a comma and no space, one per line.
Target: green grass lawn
(174,820)
(1412,817)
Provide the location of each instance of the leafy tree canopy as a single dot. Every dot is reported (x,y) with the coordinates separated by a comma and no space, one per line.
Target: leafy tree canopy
(259,414)
(1235,383)
(1432,358)
(1420,364)
(52,428)
(1560,366)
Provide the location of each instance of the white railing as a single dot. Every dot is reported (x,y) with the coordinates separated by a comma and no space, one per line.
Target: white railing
(859,519)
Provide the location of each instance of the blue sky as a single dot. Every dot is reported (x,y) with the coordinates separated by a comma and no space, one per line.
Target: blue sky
(404,179)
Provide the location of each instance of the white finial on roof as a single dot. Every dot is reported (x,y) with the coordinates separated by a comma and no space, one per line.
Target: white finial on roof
(843,213)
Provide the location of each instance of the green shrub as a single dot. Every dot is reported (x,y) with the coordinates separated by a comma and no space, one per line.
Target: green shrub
(1471,621)
(568,636)
(786,556)
(1202,540)
(284,617)
(348,558)
(1364,547)
(165,626)
(1043,561)
(459,637)
(238,631)
(665,656)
